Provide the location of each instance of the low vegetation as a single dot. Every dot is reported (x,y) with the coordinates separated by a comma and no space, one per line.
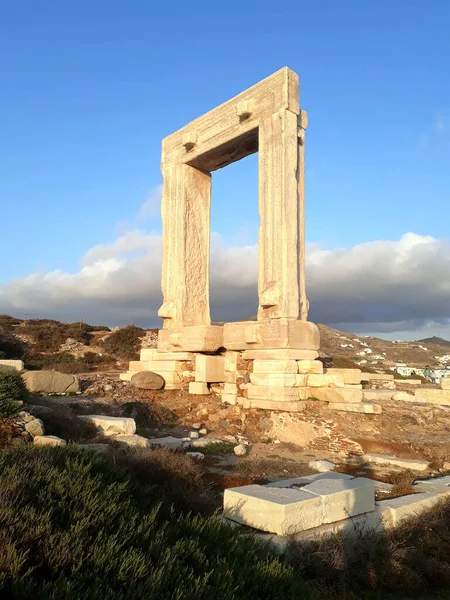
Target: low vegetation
(218,448)
(65,362)
(125,343)
(76,526)
(13,393)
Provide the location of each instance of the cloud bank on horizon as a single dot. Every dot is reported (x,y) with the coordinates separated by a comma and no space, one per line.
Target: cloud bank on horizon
(378,287)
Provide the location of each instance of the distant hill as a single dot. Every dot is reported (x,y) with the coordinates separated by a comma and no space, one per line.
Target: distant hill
(435,340)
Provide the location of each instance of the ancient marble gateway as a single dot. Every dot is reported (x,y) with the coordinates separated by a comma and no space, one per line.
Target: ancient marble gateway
(270,362)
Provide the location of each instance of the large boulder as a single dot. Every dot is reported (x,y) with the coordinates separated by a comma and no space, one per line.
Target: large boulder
(51,382)
(147,380)
(111,426)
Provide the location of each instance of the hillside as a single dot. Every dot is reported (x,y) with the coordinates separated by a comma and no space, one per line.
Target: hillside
(36,339)
(377,352)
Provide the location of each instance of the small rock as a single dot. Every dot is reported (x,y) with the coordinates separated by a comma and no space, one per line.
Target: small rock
(203,431)
(276,442)
(240,450)
(196,455)
(131,441)
(147,380)
(230,438)
(446,466)
(111,426)
(35,427)
(194,435)
(322,466)
(196,426)
(48,440)
(27,418)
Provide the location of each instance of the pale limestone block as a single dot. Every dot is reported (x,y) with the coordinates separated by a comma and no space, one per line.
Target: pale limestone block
(405,463)
(280,223)
(230,399)
(281,354)
(214,132)
(395,510)
(230,388)
(111,426)
(282,405)
(378,394)
(409,381)
(131,441)
(185,211)
(160,366)
(273,333)
(325,381)
(277,393)
(169,442)
(376,377)
(16,365)
(280,511)
(153,354)
(404,397)
(445,383)
(199,338)
(230,366)
(355,386)
(307,479)
(302,124)
(441,397)
(209,368)
(363,407)
(128,375)
(275,366)
(138,365)
(48,440)
(310,367)
(342,499)
(198,387)
(278,379)
(172,378)
(351,376)
(339,395)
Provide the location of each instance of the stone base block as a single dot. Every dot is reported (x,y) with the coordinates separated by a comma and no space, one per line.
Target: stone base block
(272,333)
(377,377)
(110,426)
(198,387)
(173,380)
(364,407)
(197,338)
(283,405)
(281,354)
(406,463)
(325,381)
(210,369)
(230,388)
(433,396)
(378,394)
(278,510)
(287,511)
(277,393)
(278,379)
(310,367)
(231,399)
(138,365)
(275,366)
(153,354)
(164,366)
(393,511)
(338,395)
(445,383)
(351,376)
(342,499)
(128,375)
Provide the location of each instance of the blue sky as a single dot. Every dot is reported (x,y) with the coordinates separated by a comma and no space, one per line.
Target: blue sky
(89,89)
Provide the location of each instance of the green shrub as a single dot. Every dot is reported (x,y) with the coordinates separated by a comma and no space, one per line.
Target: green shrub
(218,448)
(65,362)
(12,393)
(74,526)
(125,343)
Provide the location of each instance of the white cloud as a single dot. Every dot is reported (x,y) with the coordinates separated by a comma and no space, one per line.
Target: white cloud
(376,287)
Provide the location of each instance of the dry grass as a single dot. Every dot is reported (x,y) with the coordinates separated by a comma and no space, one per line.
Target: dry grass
(169,474)
(409,561)
(273,467)
(63,423)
